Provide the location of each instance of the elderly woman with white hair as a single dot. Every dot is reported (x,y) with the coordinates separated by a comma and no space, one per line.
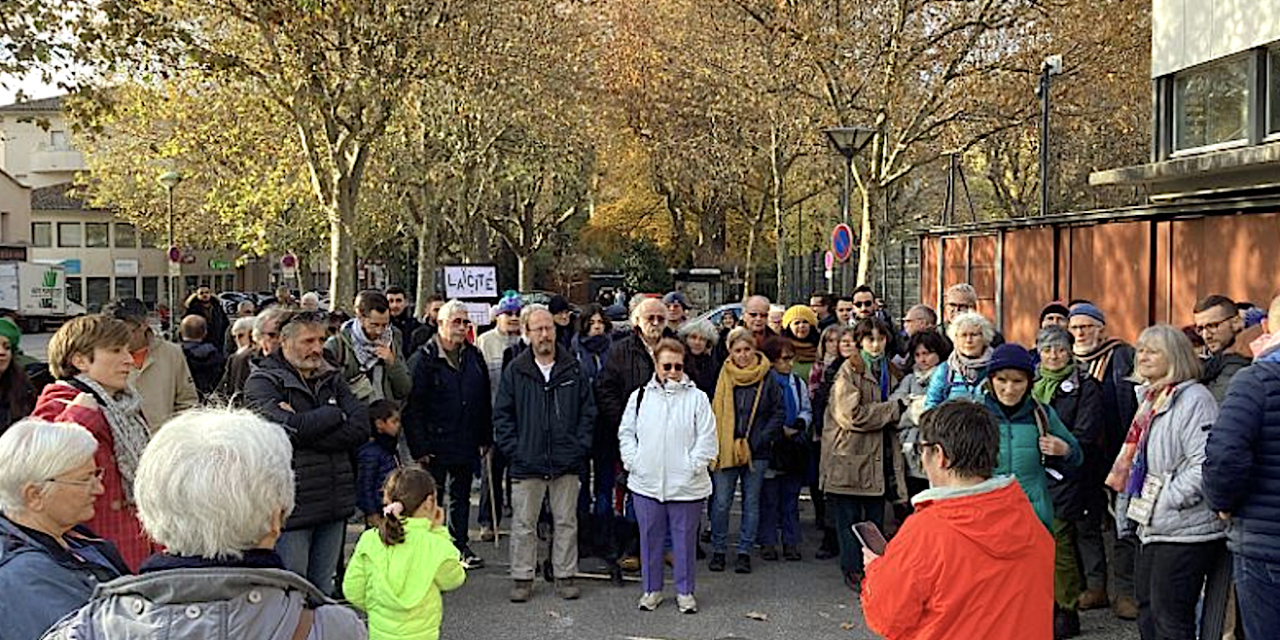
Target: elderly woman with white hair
(962,375)
(214,488)
(49,561)
(700,337)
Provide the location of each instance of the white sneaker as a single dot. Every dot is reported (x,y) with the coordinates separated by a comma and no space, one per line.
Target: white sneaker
(686,603)
(650,600)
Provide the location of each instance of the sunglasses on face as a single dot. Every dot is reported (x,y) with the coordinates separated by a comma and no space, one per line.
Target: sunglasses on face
(863,305)
(672,366)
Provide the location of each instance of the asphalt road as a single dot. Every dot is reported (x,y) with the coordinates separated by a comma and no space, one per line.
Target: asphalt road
(804,599)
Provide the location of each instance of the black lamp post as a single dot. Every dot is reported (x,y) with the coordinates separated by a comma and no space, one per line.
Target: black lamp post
(848,141)
(169,180)
(1051,66)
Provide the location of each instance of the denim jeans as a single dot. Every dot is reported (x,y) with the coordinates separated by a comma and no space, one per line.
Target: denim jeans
(723,484)
(848,511)
(780,508)
(313,553)
(1258,590)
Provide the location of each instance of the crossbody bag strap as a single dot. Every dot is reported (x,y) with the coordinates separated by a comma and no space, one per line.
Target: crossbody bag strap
(306,619)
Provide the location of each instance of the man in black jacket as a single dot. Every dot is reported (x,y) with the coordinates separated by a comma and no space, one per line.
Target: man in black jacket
(542,422)
(266,338)
(204,360)
(447,419)
(295,388)
(402,316)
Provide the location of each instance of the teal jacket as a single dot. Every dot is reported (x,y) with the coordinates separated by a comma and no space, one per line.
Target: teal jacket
(1020,450)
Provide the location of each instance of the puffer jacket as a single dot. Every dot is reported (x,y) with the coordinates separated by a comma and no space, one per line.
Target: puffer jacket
(1242,461)
(448,414)
(205,604)
(544,427)
(42,582)
(1175,452)
(1020,450)
(1078,403)
(946,384)
(912,390)
(668,441)
(860,451)
(326,427)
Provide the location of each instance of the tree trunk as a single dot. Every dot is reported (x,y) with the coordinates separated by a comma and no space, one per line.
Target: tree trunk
(748,281)
(342,253)
(428,246)
(525,271)
(780,245)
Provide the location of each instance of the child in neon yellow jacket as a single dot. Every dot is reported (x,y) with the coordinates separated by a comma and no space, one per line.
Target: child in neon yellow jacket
(401,567)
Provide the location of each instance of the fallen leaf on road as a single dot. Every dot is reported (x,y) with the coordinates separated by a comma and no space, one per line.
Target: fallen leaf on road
(847,625)
(756,615)
(553,614)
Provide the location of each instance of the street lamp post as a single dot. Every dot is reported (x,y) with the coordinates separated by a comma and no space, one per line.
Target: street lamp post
(848,141)
(169,180)
(1051,66)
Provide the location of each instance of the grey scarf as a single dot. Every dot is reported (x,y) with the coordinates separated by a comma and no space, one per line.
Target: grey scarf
(129,431)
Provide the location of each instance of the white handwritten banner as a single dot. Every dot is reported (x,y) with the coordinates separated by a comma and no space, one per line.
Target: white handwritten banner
(470,281)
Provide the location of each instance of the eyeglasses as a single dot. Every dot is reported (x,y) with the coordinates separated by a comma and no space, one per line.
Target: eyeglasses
(672,366)
(959,306)
(87,482)
(756,314)
(1212,326)
(921,445)
(460,322)
(655,318)
(864,304)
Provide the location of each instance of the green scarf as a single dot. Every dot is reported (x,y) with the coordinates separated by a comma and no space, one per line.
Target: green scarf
(1048,381)
(879,368)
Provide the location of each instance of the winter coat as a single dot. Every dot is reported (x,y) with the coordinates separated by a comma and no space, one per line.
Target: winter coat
(822,396)
(1242,461)
(1175,452)
(1220,368)
(239,365)
(667,443)
(42,582)
(628,366)
(493,346)
(406,324)
(1078,403)
(544,427)
(912,390)
(860,451)
(165,383)
(326,427)
(1020,454)
(593,363)
(448,415)
(769,415)
(703,371)
(399,586)
(1119,401)
(375,460)
(208,604)
(206,364)
(396,382)
(970,563)
(113,518)
(946,384)
(216,321)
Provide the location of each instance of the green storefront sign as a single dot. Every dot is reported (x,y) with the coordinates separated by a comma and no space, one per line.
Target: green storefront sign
(220,265)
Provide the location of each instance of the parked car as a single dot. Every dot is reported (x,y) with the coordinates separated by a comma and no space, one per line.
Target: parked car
(716,314)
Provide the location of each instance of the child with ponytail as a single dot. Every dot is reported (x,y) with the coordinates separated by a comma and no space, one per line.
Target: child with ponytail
(401,567)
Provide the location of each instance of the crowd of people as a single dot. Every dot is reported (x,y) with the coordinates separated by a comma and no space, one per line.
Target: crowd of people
(1017,485)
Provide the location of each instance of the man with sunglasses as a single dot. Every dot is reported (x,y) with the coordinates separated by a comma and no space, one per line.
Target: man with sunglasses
(266,338)
(973,561)
(1226,342)
(447,419)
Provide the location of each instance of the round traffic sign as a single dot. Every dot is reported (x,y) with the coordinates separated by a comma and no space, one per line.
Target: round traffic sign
(289,261)
(829,261)
(175,255)
(842,242)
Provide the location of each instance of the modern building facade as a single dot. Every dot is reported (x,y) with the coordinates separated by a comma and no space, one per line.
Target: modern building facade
(1212,221)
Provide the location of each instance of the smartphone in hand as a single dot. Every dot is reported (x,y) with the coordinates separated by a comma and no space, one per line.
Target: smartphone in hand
(870,537)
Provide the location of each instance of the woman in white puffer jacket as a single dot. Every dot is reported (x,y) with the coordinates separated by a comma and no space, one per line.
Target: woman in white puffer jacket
(668,439)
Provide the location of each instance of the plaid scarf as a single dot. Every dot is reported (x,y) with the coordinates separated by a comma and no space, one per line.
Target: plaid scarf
(1130,469)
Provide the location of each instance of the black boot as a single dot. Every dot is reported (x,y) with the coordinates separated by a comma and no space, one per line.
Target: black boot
(1066,624)
(717,562)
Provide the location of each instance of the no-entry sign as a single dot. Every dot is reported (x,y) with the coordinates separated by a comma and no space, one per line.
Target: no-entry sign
(842,242)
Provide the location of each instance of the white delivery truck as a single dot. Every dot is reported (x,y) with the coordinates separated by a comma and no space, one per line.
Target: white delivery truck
(38,292)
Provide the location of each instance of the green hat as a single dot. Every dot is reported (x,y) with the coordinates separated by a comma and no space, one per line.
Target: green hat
(10,330)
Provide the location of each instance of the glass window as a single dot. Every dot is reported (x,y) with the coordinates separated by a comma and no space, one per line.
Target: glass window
(126,236)
(97,293)
(58,140)
(126,288)
(151,291)
(96,234)
(149,240)
(1211,104)
(42,234)
(74,291)
(1273,101)
(69,234)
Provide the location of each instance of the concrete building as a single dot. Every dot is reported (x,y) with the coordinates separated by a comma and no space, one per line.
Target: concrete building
(105,257)
(1212,221)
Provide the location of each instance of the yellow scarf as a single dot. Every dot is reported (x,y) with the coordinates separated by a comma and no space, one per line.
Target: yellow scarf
(735,452)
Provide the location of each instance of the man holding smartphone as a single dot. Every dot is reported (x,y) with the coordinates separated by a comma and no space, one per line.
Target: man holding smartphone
(974,561)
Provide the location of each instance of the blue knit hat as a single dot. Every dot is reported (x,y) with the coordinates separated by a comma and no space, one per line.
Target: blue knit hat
(1011,355)
(510,304)
(1087,309)
(676,297)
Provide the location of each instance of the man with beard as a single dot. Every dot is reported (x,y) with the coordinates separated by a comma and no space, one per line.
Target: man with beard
(543,421)
(368,351)
(203,304)
(402,317)
(1110,362)
(629,366)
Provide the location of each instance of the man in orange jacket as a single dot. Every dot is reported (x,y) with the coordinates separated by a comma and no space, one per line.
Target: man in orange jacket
(974,561)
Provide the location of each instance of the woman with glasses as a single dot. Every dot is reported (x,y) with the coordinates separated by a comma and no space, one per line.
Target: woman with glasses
(965,371)
(49,561)
(667,440)
(90,357)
